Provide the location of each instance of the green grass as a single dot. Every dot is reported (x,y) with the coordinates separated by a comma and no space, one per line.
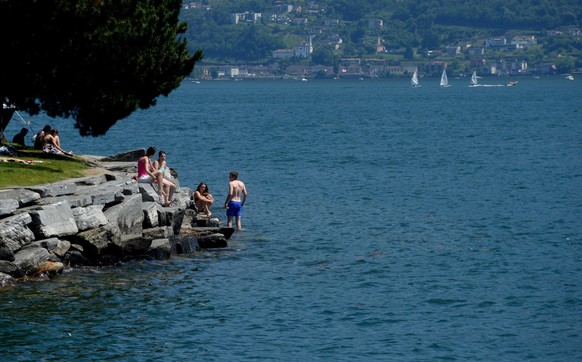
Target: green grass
(48,169)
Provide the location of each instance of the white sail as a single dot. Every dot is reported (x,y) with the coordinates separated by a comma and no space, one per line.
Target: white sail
(474,79)
(444,79)
(414,80)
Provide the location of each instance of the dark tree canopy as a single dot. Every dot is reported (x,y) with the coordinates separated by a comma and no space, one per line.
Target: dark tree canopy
(96,61)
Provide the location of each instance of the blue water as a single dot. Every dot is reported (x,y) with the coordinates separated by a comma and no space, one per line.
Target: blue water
(383,223)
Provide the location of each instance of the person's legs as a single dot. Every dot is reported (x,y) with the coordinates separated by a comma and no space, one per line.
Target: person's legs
(229,222)
(170,188)
(161,192)
(238,223)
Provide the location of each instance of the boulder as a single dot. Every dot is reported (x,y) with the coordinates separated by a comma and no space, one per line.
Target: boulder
(53,220)
(6,280)
(73,200)
(95,245)
(160,249)
(210,241)
(147,191)
(89,217)
(134,245)
(76,258)
(14,232)
(161,232)
(7,206)
(90,180)
(29,259)
(110,191)
(50,268)
(184,244)
(126,218)
(55,189)
(150,214)
(23,196)
(54,245)
(11,269)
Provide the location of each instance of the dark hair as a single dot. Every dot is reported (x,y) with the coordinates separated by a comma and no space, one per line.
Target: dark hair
(200,185)
(161,153)
(151,151)
(23,130)
(46,128)
(233,174)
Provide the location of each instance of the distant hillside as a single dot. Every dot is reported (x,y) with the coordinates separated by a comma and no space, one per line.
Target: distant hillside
(400,24)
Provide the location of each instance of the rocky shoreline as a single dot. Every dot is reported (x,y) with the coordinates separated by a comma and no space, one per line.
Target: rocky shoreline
(102,219)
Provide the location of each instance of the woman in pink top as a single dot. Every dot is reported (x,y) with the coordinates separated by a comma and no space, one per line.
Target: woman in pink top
(146,174)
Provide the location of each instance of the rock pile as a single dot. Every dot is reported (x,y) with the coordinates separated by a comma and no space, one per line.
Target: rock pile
(96,220)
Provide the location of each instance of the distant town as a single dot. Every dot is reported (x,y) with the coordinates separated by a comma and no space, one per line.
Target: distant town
(504,55)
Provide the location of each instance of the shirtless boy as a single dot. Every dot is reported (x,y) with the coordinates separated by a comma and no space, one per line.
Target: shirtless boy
(233,203)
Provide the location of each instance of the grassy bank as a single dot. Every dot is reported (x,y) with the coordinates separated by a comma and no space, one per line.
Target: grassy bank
(31,167)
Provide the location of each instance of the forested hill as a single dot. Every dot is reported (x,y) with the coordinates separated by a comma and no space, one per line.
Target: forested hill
(500,14)
(427,24)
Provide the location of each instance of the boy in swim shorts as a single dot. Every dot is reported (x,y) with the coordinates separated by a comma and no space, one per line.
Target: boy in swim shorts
(234,202)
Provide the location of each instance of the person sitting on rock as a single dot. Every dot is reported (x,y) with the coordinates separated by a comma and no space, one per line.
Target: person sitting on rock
(146,174)
(203,199)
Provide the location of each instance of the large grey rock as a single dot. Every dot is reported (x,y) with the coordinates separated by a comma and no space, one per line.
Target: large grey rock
(29,259)
(160,249)
(14,232)
(49,268)
(7,206)
(97,246)
(55,189)
(162,232)
(73,200)
(89,217)
(6,280)
(96,239)
(126,217)
(182,198)
(110,191)
(53,220)
(54,245)
(148,192)
(23,196)
(150,215)
(90,180)
(134,245)
(10,268)
(76,258)
(210,241)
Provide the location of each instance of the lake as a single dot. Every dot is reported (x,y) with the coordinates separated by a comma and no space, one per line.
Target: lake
(384,222)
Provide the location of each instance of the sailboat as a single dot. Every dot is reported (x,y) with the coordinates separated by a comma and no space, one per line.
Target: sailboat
(444,79)
(414,80)
(474,82)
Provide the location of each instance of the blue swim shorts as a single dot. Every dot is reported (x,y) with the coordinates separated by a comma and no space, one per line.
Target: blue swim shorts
(234,208)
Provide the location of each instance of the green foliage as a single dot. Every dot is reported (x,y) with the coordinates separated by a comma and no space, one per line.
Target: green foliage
(95,61)
(423,25)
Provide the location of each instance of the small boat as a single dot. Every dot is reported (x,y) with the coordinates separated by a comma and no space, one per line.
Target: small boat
(414,80)
(444,79)
(474,81)
(511,83)
(570,77)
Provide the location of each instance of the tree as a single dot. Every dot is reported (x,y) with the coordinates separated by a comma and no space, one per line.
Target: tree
(95,61)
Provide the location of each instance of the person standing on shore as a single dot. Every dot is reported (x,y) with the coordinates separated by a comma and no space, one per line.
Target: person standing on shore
(234,202)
